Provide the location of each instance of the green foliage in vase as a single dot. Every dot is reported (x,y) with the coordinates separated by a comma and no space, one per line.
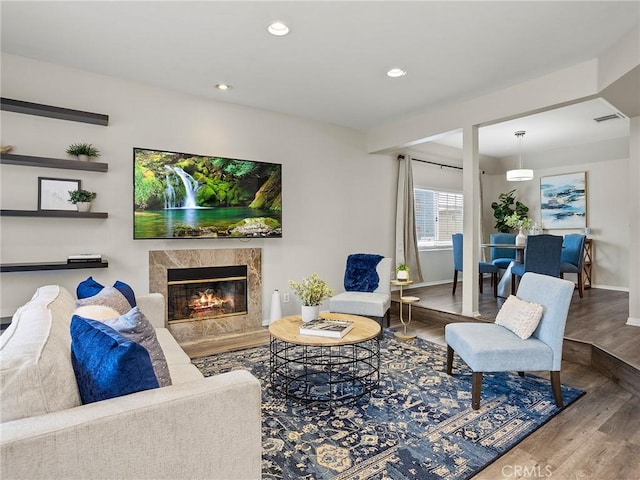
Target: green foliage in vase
(516,221)
(80,196)
(312,290)
(83,149)
(506,206)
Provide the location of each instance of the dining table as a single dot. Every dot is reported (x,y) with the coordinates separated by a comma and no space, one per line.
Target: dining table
(504,285)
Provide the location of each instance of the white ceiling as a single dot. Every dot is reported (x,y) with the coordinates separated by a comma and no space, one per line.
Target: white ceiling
(332,65)
(570,125)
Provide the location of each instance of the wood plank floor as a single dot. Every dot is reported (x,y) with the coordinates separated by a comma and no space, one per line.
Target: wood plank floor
(599,317)
(597,437)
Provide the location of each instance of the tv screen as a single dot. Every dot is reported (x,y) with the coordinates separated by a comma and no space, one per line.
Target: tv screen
(181,195)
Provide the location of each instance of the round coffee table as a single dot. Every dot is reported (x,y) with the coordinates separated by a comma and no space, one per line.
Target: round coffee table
(321,369)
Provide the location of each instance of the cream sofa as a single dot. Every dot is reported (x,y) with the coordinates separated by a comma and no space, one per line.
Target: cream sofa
(197,428)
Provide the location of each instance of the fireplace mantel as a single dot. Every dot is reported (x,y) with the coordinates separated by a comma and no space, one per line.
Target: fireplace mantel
(203,337)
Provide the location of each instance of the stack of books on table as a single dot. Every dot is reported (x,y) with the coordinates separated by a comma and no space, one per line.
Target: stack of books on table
(85,258)
(323,327)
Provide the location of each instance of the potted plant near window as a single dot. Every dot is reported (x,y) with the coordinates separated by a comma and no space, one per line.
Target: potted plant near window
(82,199)
(402,272)
(311,291)
(83,151)
(506,206)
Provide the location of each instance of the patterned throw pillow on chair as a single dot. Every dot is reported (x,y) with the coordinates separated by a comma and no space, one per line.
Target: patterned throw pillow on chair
(519,316)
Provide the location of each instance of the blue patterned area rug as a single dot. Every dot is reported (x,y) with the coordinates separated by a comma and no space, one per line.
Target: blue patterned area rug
(418,424)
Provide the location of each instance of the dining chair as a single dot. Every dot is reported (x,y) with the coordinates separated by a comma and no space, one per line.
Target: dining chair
(483,267)
(572,257)
(541,255)
(502,257)
(500,347)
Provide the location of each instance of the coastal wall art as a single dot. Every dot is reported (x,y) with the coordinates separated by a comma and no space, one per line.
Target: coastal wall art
(563,201)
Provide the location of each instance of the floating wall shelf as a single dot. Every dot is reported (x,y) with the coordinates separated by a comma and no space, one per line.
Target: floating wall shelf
(52,213)
(33,267)
(49,111)
(29,161)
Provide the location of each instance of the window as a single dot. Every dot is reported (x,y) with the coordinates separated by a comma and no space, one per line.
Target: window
(438,216)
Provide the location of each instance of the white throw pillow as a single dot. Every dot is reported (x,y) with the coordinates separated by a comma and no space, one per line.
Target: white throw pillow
(36,376)
(519,316)
(96,312)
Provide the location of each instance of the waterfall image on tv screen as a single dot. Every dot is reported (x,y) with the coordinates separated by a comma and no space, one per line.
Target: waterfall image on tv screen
(180,195)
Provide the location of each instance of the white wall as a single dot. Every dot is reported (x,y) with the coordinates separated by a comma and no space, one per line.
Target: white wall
(337,199)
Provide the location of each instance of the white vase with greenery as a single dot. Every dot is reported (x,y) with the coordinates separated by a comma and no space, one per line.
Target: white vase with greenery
(82,199)
(402,272)
(522,224)
(83,151)
(311,291)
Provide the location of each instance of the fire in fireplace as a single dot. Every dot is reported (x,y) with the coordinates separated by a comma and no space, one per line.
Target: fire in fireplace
(206,292)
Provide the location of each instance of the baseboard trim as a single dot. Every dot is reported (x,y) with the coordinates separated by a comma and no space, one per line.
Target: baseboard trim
(634,322)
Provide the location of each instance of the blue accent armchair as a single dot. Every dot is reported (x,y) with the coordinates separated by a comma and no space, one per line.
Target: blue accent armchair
(502,257)
(572,256)
(483,267)
(489,347)
(541,255)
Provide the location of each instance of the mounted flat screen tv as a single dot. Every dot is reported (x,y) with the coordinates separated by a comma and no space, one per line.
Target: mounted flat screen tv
(181,195)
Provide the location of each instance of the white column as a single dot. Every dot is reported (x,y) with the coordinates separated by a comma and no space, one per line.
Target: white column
(471,190)
(634,222)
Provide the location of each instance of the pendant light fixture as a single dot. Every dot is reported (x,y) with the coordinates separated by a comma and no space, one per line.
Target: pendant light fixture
(521,174)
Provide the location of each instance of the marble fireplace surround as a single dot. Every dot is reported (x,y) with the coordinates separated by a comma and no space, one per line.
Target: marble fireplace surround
(213,334)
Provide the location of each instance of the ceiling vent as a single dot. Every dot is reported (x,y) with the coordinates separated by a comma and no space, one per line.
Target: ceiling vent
(608,117)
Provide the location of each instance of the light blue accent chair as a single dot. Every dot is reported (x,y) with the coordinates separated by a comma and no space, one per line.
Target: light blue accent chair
(488,347)
(374,304)
(483,267)
(502,257)
(572,256)
(541,255)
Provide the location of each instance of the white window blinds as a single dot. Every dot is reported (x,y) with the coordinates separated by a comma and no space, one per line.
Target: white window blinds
(438,216)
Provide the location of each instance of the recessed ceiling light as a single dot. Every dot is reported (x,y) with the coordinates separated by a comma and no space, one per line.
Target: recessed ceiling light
(278,29)
(396,72)
(223,86)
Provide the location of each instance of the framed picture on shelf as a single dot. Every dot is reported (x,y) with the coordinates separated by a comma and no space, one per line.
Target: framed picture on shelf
(53,193)
(563,201)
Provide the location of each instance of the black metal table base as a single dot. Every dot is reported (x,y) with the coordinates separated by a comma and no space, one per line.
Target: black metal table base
(329,375)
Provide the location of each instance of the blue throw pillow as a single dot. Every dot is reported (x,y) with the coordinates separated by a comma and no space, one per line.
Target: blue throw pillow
(106,364)
(127,291)
(361,274)
(89,288)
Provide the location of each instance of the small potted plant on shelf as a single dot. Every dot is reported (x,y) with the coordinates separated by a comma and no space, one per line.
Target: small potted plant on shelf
(83,151)
(521,223)
(402,272)
(82,199)
(311,291)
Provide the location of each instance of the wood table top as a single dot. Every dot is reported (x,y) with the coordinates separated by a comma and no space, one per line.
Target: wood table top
(287,329)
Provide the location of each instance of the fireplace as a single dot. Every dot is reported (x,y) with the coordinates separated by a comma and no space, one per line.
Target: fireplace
(197,286)
(206,292)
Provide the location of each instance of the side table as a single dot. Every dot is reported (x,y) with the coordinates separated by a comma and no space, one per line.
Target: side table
(405,334)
